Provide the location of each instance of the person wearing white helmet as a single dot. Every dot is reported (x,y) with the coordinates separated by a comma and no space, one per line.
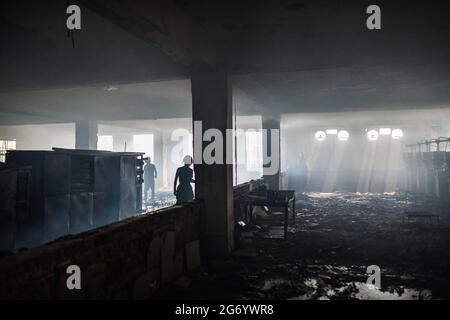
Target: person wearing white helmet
(184,175)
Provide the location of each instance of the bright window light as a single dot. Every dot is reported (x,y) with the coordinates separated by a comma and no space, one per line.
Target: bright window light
(6,145)
(372,135)
(385,131)
(331,131)
(397,134)
(253,141)
(105,143)
(343,135)
(320,135)
(143,143)
(183,146)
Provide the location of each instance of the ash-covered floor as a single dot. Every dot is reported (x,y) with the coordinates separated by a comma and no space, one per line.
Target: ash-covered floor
(163,199)
(336,237)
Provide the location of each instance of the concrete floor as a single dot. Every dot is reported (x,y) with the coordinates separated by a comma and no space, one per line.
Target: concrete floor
(336,237)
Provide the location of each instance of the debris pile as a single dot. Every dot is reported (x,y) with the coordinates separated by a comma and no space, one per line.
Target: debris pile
(326,255)
(162,200)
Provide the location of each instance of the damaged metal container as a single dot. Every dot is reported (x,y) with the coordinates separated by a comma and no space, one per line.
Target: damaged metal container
(76,190)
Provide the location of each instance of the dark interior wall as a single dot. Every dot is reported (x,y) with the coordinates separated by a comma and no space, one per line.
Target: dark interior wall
(129,259)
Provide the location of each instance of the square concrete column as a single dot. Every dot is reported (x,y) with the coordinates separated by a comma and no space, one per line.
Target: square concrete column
(86,135)
(158,156)
(212,105)
(271,170)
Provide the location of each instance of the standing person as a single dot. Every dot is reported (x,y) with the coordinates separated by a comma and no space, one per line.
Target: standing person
(185,174)
(150,174)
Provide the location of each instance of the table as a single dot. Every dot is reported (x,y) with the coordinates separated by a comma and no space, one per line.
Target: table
(281,199)
(417,215)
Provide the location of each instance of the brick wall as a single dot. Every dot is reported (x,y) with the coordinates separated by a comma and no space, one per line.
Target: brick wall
(128,259)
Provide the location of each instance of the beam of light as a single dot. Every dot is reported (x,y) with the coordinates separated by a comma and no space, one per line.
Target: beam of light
(393,166)
(363,167)
(367,167)
(312,158)
(334,167)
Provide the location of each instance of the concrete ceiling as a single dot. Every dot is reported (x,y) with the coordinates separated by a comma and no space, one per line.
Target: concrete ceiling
(151,100)
(290,35)
(287,35)
(137,101)
(369,119)
(284,57)
(330,90)
(350,89)
(37,52)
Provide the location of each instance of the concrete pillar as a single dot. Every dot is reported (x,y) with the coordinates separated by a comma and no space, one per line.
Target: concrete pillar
(212,105)
(158,156)
(272,178)
(86,135)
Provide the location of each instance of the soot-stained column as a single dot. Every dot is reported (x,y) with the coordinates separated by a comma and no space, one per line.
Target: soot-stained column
(212,105)
(86,135)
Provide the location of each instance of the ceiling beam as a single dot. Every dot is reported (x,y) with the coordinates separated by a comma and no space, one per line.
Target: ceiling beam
(163,24)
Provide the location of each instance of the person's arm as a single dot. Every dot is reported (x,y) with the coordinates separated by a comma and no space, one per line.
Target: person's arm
(156,173)
(175,183)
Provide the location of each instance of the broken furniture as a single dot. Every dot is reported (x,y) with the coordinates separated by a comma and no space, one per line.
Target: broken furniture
(271,198)
(408,216)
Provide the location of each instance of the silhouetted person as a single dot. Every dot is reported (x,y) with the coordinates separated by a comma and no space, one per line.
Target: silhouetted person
(185,174)
(150,174)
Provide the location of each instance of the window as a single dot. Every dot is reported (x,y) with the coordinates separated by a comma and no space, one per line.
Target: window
(6,145)
(254,150)
(143,143)
(188,145)
(105,143)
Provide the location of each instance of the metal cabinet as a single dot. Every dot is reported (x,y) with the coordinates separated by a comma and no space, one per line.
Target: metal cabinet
(72,191)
